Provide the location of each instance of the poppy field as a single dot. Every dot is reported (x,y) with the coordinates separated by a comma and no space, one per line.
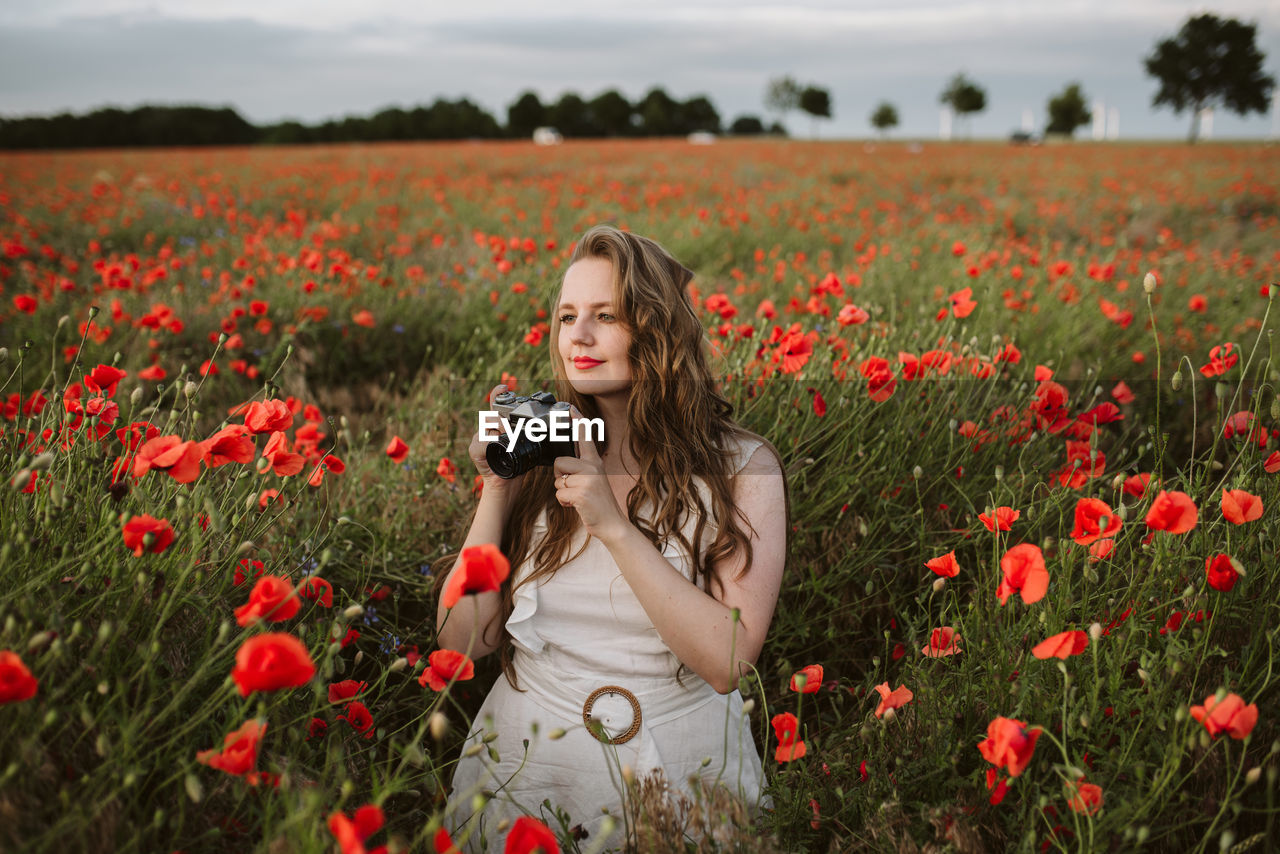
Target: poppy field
(1026,399)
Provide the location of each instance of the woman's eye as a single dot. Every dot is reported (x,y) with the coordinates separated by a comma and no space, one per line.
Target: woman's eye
(566,318)
(603,316)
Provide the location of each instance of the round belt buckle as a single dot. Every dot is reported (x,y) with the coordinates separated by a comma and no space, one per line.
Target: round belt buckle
(598,730)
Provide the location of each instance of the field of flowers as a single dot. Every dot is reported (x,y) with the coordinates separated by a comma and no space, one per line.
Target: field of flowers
(1026,398)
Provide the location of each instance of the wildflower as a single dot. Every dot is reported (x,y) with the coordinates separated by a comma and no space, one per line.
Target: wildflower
(942,642)
(16,682)
(794,351)
(481,569)
(528,835)
(961,303)
(357,714)
(138,528)
(169,454)
(945,565)
(397,450)
(231,444)
(894,699)
(103,380)
(347,689)
(1101,550)
(1173,512)
(1222,572)
(1272,465)
(352,833)
(1094,520)
(851,315)
(447,470)
(270,416)
(1085,798)
(239,752)
(1061,645)
(317,590)
(790,746)
(1001,519)
(272,598)
(242,571)
(1137,485)
(445,666)
(317,728)
(1009,744)
(1239,506)
(1221,359)
(819,404)
(1023,572)
(443,844)
(271,661)
(284,462)
(1229,715)
(364,318)
(807,680)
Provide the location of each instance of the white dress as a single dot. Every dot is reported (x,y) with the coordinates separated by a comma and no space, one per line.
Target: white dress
(581,630)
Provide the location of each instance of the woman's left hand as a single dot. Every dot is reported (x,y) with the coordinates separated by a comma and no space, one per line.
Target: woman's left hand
(581,483)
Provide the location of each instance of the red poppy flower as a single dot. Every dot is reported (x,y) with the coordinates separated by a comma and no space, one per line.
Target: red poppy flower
(481,569)
(447,470)
(271,661)
(445,666)
(895,699)
(1023,572)
(318,590)
(530,836)
(364,317)
(1101,550)
(443,844)
(347,689)
(1173,512)
(942,642)
(272,598)
(785,727)
(1272,465)
(169,454)
(1239,506)
(1137,485)
(807,680)
(139,527)
(1122,393)
(1229,715)
(961,303)
(1094,520)
(284,462)
(239,753)
(103,379)
(946,565)
(352,833)
(819,404)
(851,315)
(1221,359)
(155,373)
(794,351)
(317,728)
(397,449)
(1002,519)
(16,682)
(242,571)
(1222,572)
(1009,744)
(1062,645)
(1084,798)
(357,714)
(24,303)
(269,416)
(231,444)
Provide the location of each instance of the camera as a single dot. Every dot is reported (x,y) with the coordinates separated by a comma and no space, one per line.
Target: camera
(539,429)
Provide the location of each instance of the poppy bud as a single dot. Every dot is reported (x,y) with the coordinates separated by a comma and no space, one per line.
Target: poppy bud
(556,734)
(999,473)
(1275,409)
(1149,283)
(490,737)
(65,319)
(938,584)
(353,611)
(889,714)
(1176,379)
(1272,290)
(4,355)
(628,774)
(399,664)
(194,790)
(1226,840)
(439,725)
(749,706)
(1095,632)
(917,472)
(473,750)
(104,688)
(1252,775)
(42,462)
(1221,391)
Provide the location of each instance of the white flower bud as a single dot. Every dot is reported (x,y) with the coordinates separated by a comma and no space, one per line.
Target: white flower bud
(1149,283)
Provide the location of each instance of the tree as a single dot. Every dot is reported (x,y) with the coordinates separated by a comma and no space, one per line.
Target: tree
(746,126)
(569,116)
(817,103)
(658,113)
(611,112)
(782,95)
(1210,62)
(525,114)
(699,114)
(1067,111)
(885,118)
(964,96)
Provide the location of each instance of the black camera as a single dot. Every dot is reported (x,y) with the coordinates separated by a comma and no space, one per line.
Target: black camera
(534,420)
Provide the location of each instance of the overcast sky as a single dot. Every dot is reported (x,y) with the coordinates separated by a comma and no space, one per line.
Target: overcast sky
(317,59)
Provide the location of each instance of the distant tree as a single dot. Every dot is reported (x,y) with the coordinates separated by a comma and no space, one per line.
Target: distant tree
(698,114)
(524,114)
(884,118)
(817,103)
(746,126)
(778,129)
(569,115)
(611,113)
(782,95)
(964,96)
(1210,62)
(1067,111)
(659,113)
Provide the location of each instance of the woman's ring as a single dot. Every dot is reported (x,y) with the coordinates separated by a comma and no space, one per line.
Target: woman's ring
(564,480)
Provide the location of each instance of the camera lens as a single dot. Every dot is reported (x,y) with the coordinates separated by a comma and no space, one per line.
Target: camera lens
(508,464)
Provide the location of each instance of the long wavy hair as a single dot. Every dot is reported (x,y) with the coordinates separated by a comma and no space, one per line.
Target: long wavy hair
(680,427)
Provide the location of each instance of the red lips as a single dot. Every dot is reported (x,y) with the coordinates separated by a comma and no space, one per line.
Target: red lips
(584,362)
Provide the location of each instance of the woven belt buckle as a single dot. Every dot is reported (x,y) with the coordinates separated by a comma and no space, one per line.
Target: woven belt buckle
(597,729)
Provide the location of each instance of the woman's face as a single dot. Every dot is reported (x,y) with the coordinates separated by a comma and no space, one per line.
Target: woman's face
(593,342)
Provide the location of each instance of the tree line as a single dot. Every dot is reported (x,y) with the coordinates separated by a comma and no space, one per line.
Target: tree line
(608,114)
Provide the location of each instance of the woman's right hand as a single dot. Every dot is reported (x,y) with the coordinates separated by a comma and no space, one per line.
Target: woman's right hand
(493,484)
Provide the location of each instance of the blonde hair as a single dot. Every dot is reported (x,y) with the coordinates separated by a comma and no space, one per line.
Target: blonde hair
(680,426)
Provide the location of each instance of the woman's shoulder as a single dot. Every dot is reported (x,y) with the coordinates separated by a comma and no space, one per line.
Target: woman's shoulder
(743,446)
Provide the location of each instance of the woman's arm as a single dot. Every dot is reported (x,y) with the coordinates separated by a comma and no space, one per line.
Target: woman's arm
(697,627)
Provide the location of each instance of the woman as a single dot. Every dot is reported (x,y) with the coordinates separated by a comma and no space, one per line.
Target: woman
(645,571)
